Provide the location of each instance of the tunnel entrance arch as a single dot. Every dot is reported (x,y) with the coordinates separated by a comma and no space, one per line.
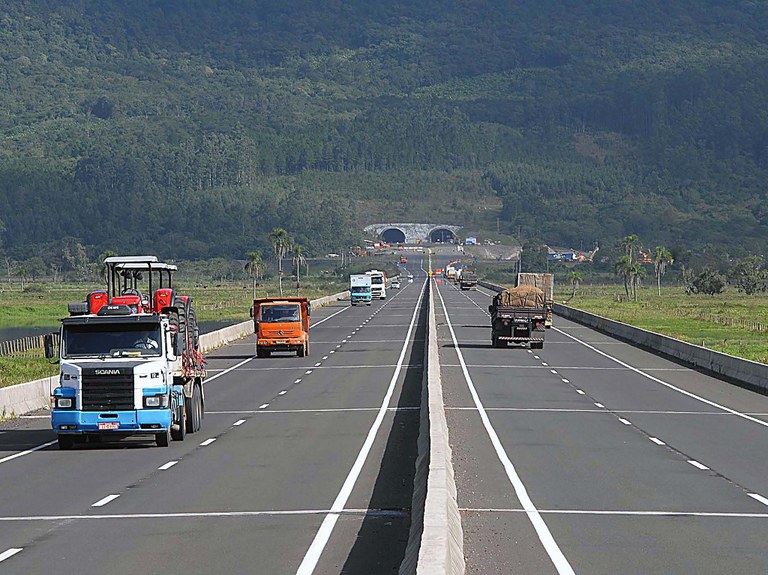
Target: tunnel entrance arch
(441,235)
(393,236)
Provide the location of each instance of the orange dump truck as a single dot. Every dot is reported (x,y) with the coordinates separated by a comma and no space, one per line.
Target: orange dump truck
(281,324)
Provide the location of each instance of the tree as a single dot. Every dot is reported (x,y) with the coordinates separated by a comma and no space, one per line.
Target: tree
(298,260)
(707,282)
(631,245)
(623,269)
(661,258)
(281,244)
(575,278)
(636,274)
(748,275)
(254,267)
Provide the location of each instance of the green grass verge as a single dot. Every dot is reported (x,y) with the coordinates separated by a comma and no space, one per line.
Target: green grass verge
(732,323)
(20,370)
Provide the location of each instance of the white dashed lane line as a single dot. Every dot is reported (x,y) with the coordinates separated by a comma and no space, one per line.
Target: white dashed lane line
(599,405)
(103,502)
(208,441)
(759,498)
(657,441)
(168,465)
(264,406)
(698,465)
(238,423)
(283,392)
(624,421)
(10,553)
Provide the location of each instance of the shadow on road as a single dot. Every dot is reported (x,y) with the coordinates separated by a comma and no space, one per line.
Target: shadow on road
(382,538)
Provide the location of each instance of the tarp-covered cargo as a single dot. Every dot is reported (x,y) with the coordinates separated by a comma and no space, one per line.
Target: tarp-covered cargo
(523,296)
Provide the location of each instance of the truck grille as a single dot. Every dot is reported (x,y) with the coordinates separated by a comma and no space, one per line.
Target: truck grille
(107,392)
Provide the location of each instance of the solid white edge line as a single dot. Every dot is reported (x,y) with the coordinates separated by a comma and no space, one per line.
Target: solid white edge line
(664,383)
(312,557)
(28,451)
(226,371)
(758,497)
(167,466)
(545,536)
(10,553)
(105,500)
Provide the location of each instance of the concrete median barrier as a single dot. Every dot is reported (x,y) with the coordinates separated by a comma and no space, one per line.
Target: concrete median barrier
(31,396)
(436,540)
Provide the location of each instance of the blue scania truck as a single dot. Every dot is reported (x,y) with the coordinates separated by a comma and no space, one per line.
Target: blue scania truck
(129,363)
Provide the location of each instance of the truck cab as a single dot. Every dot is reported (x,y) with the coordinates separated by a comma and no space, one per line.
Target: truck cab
(360,289)
(281,324)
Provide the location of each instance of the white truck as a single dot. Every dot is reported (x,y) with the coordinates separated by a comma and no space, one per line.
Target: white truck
(378,284)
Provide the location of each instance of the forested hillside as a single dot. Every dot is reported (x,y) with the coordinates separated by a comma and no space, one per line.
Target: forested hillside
(192,128)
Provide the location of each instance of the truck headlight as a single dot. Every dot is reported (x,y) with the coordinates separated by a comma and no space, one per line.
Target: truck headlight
(64,402)
(156,401)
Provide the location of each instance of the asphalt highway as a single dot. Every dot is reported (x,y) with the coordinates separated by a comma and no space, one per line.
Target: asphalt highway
(591,456)
(303,465)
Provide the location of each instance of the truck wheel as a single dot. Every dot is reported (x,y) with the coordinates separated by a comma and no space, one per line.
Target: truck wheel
(193,407)
(199,408)
(181,433)
(301,352)
(163,439)
(66,442)
(262,352)
(537,345)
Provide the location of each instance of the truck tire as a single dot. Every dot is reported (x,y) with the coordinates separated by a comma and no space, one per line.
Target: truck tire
(163,439)
(302,351)
(194,408)
(180,433)
(494,341)
(537,345)
(66,442)
(198,393)
(261,352)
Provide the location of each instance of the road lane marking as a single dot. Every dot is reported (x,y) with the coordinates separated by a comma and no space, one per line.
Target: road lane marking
(553,371)
(238,423)
(758,497)
(599,405)
(208,442)
(664,383)
(312,556)
(318,364)
(713,514)
(624,421)
(545,536)
(297,381)
(308,372)
(566,381)
(104,501)
(319,410)
(8,553)
(264,406)
(325,357)
(657,441)
(226,371)
(329,317)
(697,464)
(283,392)
(28,451)
(168,465)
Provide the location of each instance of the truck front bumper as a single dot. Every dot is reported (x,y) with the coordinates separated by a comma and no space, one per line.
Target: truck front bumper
(135,421)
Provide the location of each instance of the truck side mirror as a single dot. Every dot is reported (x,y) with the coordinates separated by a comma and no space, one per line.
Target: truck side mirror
(48,345)
(250,312)
(178,344)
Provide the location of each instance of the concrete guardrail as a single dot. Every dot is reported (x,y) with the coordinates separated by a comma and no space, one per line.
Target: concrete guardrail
(436,540)
(25,397)
(742,372)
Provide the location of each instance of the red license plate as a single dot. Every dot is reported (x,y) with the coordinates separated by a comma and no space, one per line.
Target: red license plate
(109,425)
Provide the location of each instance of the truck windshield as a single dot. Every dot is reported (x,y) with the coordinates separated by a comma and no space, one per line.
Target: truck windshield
(377,280)
(280,313)
(361,289)
(112,340)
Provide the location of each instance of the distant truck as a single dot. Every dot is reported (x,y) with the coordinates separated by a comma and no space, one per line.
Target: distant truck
(360,289)
(518,316)
(378,284)
(468,280)
(546,283)
(281,324)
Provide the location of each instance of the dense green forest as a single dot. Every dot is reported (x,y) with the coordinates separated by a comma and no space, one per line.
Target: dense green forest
(190,128)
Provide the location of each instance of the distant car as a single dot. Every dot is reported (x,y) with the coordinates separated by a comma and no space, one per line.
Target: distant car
(395,285)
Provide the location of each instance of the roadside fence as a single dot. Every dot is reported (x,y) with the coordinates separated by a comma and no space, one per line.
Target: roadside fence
(31,346)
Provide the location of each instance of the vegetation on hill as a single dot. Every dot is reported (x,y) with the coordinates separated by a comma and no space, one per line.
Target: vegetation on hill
(191,129)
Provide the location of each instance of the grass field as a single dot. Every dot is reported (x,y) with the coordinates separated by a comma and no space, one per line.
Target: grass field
(43,304)
(731,322)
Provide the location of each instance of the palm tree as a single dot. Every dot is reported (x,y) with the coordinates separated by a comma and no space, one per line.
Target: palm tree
(661,258)
(298,260)
(281,244)
(623,268)
(630,245)
(254,267)
(575,278)
(636,273)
